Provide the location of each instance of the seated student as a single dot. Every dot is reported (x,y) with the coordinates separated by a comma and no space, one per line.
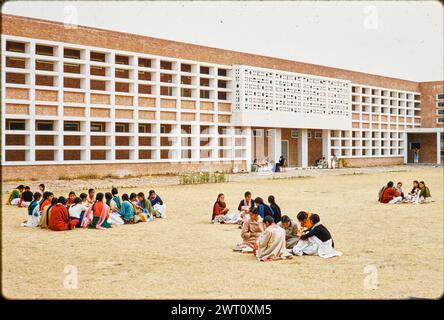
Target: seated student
(324,163)
(91,197)
(59,219)
(400,190)
(414,193)
(317,241)
(157,204)
(26,197)
(116,198)
(271,243)
(97,215)
(275,208)
(14,195)
(292,234)
(42,188)
(127,210)
(33,212)
(263,209)
(251,230)
(77,211)
(390,194)
(84,197)
(219,210)
(304,219)
(246,205)
(139,216)
(146,206)
(71,197)
(114,211)
(46,214)
(255,166)
(424,193)
(109,200)
(46,200)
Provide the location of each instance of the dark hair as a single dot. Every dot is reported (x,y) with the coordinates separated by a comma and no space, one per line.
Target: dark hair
(399,183)
(83,195)
(72,192)
(77,201)
(141,194)
(422,182)
(54,201)
(259,200)
(114,191)
(99,196)
(271,199)
(302,215)
(246,194)
(62,200)
(255,211)
(46,194)
(269,219)
(390,184)
(37,195)
(20,186)
(27,188)
(108,196)
(133,195)
(89,190)
(151,192)
(219,195)
(285,218)
(124,197)
(41,185)
(315,218)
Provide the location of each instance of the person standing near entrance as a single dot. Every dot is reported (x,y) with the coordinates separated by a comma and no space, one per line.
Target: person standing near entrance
(416,155)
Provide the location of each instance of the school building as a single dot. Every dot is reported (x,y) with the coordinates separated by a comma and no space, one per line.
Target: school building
(84,101)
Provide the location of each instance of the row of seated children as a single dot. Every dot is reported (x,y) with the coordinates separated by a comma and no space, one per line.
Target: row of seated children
(99,211)
(222,214)
(420,193)
(22,196)
(269,240)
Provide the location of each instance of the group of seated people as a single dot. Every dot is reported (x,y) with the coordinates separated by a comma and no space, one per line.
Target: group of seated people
(323,163)
(420,193)
(268,166)
(269,235)
(88,210)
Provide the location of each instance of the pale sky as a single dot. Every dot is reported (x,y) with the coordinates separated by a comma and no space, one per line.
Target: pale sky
(396,39)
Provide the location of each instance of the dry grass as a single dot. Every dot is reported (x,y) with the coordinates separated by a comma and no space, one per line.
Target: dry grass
(185,256)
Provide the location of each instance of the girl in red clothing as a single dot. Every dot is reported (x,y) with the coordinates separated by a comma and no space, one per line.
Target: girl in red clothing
(219,209)
(59,218)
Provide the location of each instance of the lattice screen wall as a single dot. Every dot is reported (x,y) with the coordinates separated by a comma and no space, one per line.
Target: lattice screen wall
(270,90)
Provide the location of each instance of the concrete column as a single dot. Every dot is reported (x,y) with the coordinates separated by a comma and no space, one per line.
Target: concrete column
(249,147)
(326,144)
(405,142)
(303,148)
(274,144)
(438,148)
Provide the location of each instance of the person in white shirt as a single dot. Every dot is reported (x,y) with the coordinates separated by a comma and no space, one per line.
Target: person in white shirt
(77,210)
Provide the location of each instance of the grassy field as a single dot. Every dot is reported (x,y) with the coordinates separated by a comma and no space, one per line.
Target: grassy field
(397,248)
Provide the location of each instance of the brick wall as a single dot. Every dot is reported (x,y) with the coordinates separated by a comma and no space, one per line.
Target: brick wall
(429,90)
(372,162)
(55,31)
(74,170)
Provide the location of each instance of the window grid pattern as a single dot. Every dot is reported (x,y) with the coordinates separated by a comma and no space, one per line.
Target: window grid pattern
(69,85)
(380,117)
